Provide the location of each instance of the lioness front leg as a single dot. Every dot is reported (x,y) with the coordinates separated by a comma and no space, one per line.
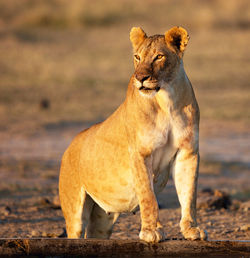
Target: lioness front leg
(151,229)
(185,173)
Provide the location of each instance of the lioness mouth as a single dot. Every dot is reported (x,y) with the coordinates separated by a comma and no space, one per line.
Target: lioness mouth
(149,89)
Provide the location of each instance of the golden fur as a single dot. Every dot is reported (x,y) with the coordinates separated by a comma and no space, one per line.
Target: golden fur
(125,161)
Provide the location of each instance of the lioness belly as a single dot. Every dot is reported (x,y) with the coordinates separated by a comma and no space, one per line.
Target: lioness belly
(107,178)
(114,193)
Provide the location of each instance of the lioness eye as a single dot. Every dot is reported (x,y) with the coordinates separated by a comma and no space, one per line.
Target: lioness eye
(137,57)
(159,57)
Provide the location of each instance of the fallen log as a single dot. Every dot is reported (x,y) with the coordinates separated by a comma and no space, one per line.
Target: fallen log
(121,248)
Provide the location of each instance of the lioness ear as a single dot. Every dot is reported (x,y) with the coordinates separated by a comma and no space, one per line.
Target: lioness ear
(137,36)
(177,39)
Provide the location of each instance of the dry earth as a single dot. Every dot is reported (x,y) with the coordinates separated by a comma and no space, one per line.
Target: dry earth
(29,204)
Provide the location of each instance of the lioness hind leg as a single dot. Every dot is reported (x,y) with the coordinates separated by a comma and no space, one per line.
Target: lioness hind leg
(100,223)
(77,214)
(71,204)
(76,206)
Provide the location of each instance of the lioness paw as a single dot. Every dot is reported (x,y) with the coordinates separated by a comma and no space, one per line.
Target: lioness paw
(152,235)
(194,233)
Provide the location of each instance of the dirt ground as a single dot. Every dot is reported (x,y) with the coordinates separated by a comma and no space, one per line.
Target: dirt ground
(62,71)
(29,204)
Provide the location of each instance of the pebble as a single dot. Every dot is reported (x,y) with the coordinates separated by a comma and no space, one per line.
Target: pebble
(54,204)
(58,233)
(56,201)
(35,233)
(213,199)
(44,234)
(6,211)
(33,209)
(237,230)
(170,223)
(235,205)
(228,231)
(245,206)
(245,227)
(209,223)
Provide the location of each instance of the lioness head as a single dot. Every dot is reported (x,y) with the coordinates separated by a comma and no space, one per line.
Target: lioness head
(157,58)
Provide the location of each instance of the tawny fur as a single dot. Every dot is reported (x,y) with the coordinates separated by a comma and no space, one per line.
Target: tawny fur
(125,161)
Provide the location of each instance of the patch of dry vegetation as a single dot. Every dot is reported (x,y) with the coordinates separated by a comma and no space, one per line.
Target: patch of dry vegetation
(77,55)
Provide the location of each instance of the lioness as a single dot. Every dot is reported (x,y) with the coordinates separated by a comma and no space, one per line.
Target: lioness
(123,162)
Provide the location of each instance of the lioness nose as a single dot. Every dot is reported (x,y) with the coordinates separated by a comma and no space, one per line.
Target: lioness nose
(141,77)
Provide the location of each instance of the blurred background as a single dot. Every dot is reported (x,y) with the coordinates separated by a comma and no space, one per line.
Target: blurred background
(77,56)
(65,65)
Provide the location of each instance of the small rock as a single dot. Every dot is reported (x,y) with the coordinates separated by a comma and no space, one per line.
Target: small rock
(237,230)
(44,234)
(50,204)
(245,206)
(62,233)
(213,199)
(57,233)
(235,205)
(44,104)
(56,201)
(228,231)
(245,227)
(5,211)
(209,223)
(33,209)
(170,223)
(45,201)
(35,233)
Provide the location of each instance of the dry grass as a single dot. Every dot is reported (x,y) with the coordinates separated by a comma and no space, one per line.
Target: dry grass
(77,55)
